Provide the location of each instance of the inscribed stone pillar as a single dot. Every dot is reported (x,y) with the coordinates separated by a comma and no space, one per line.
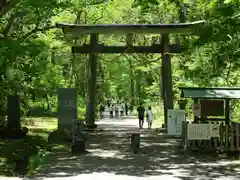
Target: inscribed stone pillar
(67,107)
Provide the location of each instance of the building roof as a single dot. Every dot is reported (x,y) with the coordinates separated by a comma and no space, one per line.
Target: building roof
(210,93)
(80,29)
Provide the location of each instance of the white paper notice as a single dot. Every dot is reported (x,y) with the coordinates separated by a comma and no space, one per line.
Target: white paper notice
(199,131)
(175,119)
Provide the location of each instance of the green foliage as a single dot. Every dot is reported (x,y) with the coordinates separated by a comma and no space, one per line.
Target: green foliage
(36,58)
(145,4)
(34,147)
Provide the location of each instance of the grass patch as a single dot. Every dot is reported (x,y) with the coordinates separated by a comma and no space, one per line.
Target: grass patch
(40,126)
(158,115)
(34,145)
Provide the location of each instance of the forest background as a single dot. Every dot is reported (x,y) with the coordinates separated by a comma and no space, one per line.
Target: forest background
(36,58)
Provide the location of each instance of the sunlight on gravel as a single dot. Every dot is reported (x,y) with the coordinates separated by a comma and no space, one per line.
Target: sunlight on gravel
(110,176)
(113,162)
(104,153)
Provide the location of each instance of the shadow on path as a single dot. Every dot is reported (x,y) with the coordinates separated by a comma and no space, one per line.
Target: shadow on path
(110,157)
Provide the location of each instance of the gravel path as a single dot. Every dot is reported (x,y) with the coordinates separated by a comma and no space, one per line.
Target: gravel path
(110,158)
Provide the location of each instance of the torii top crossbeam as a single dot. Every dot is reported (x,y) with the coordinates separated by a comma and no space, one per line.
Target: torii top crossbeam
(80,29)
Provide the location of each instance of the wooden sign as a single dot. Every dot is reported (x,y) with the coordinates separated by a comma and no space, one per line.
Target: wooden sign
(199,131)
(196,108)
(175,119)
(212,107)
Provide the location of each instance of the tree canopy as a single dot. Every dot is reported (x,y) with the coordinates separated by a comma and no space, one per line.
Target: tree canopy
(36,58)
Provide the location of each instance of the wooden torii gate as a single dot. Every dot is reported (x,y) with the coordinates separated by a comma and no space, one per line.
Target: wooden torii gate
(164,48)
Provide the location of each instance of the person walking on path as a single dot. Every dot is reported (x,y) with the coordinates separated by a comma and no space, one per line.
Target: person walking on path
(141,111)
(149,117)
(116,108)
(101,110)
(111,110)
(121,107)
(126,109)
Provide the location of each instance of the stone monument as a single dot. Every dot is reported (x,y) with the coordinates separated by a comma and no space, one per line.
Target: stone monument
(67,107)
(66,115)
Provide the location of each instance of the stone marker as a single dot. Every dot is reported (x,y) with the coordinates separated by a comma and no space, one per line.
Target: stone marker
(13,129)
(66,115)
(78,141)
(67,107)
(13,112)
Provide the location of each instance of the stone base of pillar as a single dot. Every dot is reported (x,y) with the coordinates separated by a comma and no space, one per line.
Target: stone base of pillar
(61,135)
(90,127)
(13,133)
(78,147)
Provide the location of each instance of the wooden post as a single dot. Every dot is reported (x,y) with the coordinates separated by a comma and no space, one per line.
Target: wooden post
(135,142)
(185,135)
(237,127)
(231,129)
(91,89)
(226,137)
(195,101)
(227,111)
(221,135)
(166,77)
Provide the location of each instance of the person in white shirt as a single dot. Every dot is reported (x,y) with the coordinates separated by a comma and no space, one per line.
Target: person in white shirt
(116,108)
(149,117)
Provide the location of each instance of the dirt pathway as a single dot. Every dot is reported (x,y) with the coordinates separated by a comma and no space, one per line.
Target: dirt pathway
(110,158)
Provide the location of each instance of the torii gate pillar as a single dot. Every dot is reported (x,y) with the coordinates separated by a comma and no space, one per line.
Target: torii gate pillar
(166,75)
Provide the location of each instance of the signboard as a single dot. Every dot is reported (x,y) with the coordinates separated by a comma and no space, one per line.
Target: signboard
(212,107)
(196,108)
(175,119)
(203,131)
(199,131)
(215,130)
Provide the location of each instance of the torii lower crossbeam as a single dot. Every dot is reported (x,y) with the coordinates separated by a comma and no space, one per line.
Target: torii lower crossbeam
(100,48)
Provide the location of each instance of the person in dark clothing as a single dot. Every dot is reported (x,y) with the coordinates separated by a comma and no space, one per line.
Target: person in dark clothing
(108,103)
(126,109)
(111,111)
(141,111)
(116,108)
(101,110)
(121,106)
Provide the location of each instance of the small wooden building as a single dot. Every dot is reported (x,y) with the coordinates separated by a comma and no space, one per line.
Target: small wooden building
(211,128)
